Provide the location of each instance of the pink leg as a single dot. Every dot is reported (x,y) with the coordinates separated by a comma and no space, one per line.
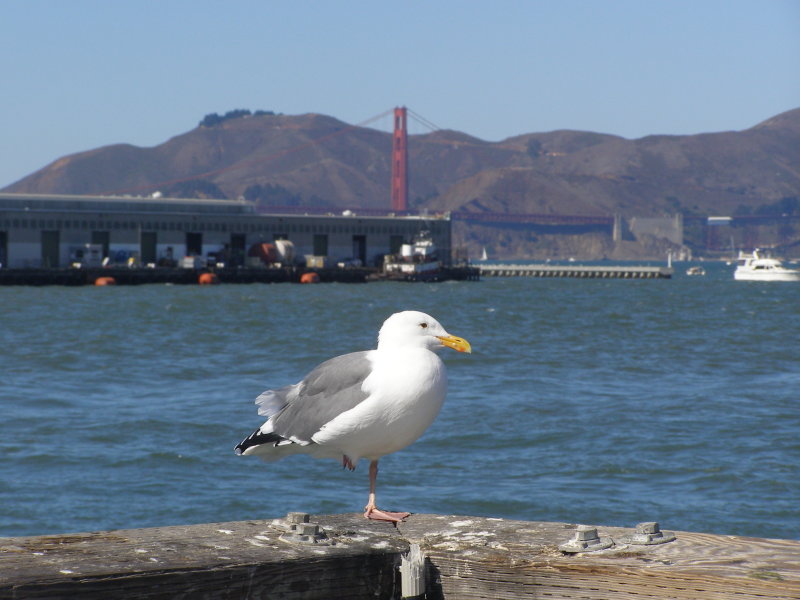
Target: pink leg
(373,512)
(347,463)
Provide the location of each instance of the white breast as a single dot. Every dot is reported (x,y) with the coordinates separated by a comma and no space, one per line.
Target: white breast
(407,389)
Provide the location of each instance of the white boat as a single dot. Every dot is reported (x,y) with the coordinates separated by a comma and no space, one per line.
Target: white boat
(417,261)
(755,267)
(695,271)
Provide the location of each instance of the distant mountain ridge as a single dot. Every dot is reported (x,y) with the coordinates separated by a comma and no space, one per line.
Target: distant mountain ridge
(317,160)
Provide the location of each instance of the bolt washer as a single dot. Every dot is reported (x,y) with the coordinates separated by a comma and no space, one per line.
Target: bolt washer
(298,530)
(586,540)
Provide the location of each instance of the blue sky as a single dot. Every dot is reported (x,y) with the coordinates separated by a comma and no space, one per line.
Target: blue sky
(86,73)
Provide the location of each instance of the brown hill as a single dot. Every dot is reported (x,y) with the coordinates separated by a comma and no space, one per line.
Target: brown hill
(580,173)
(317,160)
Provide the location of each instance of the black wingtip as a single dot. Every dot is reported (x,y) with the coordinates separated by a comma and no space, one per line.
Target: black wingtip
(257,439)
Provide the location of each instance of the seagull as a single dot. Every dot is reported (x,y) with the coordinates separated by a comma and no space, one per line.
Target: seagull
(361,405)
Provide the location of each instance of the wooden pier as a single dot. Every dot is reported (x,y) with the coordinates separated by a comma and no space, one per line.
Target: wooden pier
(582,272)
(178,276)
(346,556)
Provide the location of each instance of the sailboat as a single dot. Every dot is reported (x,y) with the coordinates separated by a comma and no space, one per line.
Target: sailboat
(484,256)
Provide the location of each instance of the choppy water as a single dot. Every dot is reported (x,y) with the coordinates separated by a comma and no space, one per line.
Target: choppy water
(589,401)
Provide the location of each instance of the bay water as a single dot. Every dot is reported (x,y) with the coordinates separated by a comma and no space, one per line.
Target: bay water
(606,402)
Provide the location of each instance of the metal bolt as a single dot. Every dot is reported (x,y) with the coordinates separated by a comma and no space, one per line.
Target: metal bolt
(297,517)
(648,528)
(308,529)
(648,534)
(585,533)
(586,539)
(306,533)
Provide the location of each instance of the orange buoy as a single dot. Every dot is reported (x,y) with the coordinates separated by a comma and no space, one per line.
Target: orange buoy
(309,277)
(208,279)
(105,281)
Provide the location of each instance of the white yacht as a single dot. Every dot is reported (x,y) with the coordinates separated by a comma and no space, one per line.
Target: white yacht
(755,267)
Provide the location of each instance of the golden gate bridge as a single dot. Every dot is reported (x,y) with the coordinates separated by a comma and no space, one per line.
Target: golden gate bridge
(400,170)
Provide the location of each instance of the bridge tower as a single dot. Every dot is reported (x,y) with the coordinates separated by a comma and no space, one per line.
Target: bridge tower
(400,161)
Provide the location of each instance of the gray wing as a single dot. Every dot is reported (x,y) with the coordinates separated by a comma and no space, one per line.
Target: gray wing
(326,392)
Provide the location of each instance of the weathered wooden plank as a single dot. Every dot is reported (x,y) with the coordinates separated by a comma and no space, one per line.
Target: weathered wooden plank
(215,561)
(479,558)
(468,558)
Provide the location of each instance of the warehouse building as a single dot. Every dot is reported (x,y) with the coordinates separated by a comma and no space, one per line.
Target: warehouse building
(56,231)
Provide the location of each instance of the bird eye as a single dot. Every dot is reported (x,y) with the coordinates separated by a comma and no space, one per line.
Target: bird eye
(423,325)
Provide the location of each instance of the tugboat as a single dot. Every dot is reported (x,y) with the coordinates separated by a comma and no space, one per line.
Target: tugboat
(417,261)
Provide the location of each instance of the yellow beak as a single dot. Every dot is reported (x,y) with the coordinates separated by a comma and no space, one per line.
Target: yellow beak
(456,343)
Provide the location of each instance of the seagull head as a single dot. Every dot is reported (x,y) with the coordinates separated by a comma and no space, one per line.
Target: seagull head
(412,328)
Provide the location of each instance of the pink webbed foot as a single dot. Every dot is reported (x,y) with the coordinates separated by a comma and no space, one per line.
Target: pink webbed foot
(347,463)
(376,514)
